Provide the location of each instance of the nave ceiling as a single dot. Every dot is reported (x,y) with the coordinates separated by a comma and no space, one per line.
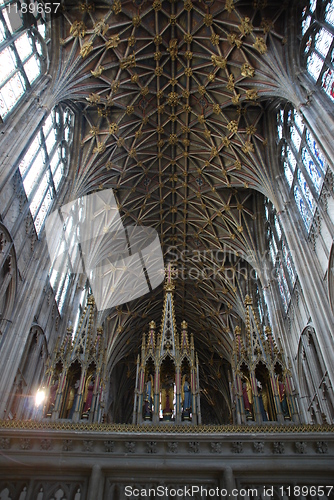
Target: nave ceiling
(173,97)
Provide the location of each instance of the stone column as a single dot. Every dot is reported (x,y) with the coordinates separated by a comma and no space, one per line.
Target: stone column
(156,402)
(316,296)
(140,395)
(229,482)
(178,383)
(240,412)
(96,484)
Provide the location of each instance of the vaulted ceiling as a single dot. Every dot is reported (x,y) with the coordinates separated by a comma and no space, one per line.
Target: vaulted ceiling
(173,96)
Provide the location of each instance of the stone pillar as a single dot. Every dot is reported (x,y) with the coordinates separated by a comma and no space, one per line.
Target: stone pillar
(256,405)
(140,395)
(315,294)
(156,401)
(96,484)
(229,482)
(79,400)
(178,384)
(278,408)
(239,402)
(59,396)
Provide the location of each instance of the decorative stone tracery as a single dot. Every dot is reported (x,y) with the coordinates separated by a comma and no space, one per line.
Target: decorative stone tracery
(167,381)
(75,377)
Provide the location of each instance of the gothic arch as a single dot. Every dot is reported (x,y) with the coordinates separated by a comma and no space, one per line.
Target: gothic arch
(313,379)
(8,277)
(29,375)
(330,278)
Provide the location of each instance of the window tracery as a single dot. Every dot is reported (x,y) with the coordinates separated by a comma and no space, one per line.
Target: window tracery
(43,166)
(21,55)
(303,163)
(66,261)
(280,255)
(317,44)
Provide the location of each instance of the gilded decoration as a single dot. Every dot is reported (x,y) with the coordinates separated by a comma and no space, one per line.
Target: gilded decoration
(78,29)
(260,45)
(86,49)
(113,42)
(161,429)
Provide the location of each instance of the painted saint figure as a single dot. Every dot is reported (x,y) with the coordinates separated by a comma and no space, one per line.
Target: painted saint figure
(248,398)
(186,398)
(52,397)
(89,395)
(72,400)
(148,398)
(283,399)
(263,402)
(167,396)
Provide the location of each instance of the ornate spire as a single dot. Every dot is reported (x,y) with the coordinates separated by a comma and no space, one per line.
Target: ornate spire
(168,324)
(84,335)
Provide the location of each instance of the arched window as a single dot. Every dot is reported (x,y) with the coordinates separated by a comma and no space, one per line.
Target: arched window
(303,163)
(21,54)
(280,255)
(60,277)
(315,384)
(317,43)
(66,258)
(44,164)
(8,277)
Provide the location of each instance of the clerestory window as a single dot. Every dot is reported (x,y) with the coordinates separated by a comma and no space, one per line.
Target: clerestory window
(317,43)
(21,54)
(44,164)
(280,255)
(303,162)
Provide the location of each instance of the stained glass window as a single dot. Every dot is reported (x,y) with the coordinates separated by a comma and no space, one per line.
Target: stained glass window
(42,166)
(288,174)
(46,158)
(282,291)
(329,13)
(328,83)
(67,255)
(278,227)
(282,275)
(313,147)
(280,255)
(291,158)
(306,191)
(318,44)
(302,207)
(298,121)
(272,252)
(295,137)
(288,262)
(312,169)
(21,54)
(64,289)
(274,244)
(60,278)
(303,163)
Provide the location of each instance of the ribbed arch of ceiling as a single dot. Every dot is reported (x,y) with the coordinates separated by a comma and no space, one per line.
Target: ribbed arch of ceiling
(163,100)
(172,97)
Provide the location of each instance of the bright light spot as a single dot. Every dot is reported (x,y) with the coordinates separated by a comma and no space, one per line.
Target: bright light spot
(39,398)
